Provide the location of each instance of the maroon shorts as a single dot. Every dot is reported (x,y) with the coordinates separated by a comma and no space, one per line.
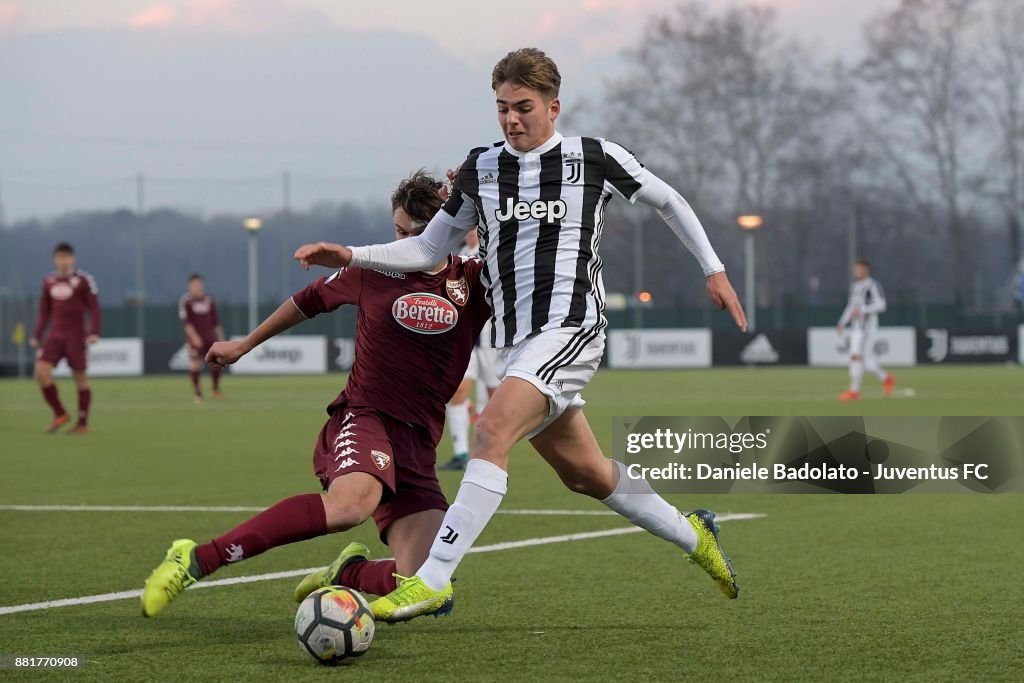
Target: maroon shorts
(199,352)
(55,348)
(401,456)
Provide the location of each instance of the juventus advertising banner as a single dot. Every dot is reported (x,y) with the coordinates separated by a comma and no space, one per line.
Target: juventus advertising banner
(674,348)
(944,345)
(110,357)
(893,346)
(297,355)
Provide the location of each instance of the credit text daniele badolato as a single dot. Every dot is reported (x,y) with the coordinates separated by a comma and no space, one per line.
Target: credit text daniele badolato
(677,442)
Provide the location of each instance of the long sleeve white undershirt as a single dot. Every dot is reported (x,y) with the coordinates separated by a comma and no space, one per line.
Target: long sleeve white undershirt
(441,237)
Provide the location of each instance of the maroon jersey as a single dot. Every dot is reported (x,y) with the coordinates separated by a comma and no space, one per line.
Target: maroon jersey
(414,336)
(64,301)
(201,314)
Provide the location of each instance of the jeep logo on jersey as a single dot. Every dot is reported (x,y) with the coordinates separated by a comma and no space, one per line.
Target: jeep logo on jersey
(61,291)
(425,313)
(522,210)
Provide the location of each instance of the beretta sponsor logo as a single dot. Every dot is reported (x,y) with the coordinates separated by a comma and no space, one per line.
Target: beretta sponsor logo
(425,313)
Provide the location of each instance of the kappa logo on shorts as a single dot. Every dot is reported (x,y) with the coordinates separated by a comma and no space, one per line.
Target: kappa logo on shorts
(381,460)
(348,462)
(347,433)
(235,553)
(458,290)
(346,442)
(347,451)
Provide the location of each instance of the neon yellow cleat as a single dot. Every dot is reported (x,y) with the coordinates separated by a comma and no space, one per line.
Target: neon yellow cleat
(177,572)
(412,599)
(709,556)
(331,574)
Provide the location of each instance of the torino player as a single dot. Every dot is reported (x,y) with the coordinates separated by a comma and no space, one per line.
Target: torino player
(68,295)
(376,454)
(867,300)
(480,374)
(538,199)
(198,313)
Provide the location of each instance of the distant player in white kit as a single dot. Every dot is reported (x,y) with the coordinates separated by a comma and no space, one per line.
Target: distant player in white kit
(480,373)
(867,300)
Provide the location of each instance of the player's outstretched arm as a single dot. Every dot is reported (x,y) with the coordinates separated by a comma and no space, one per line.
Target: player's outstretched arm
(285,317)
(437,240)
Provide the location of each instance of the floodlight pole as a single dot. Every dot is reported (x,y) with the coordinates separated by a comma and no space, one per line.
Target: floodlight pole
(252,226)
(750,223)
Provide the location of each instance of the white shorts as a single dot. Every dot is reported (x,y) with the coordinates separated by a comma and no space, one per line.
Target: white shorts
(861,341)
(481,367)
(559,363)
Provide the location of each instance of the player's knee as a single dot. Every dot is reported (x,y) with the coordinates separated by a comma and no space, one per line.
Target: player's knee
(345,514)
(42,374)
(589,481)
(491,440)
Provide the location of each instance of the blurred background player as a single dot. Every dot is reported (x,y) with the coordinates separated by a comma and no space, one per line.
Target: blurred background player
(68,296)
(198,313)
(867,301)
(480,374)
(376,454)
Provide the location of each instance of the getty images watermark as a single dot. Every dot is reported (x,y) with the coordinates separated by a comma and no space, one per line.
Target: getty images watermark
(823,454)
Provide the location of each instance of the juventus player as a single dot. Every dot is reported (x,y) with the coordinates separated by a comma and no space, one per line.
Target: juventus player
(480,373)
(375,455)
(538,200)
(867,300)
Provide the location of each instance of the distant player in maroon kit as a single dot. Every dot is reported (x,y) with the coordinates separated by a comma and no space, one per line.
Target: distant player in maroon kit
(376,454)
(68,295)
(198,313)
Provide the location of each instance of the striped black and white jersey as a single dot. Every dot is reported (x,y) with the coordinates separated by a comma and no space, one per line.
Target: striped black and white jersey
(867,297)
(539,216)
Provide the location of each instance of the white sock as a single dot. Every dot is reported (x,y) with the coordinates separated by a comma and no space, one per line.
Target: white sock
(856,372)
(483,486)
(635,500)
(458,426)
(871,365)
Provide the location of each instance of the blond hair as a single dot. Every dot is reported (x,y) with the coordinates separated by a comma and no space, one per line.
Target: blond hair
(528,67)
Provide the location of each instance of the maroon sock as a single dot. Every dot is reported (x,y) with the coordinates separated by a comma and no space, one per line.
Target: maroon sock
(50,394)
(215,374)
(84,399)
(293,519)
(194,376)
(373,576)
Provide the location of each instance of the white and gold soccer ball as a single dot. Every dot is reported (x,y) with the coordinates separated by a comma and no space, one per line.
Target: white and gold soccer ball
(334,625)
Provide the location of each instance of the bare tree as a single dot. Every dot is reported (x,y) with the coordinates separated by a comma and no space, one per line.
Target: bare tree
(920,114)
(1003,64)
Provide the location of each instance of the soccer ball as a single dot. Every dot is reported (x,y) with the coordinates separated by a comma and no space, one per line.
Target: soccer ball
(334,625)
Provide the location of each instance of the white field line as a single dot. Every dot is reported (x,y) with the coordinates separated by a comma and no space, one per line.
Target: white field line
(494,547)
(244,508)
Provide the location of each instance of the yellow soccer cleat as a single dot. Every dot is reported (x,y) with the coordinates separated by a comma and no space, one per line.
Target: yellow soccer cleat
(331,574)
(709,556)
(412,599)
(177,572)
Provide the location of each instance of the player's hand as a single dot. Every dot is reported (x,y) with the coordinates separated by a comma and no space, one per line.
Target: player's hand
(855,314)
(225,353)
(724,296)
(33,342)
(92,339)
(839,330)
(323,254)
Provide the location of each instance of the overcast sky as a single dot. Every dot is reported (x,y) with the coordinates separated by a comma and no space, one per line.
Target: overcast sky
(213,99)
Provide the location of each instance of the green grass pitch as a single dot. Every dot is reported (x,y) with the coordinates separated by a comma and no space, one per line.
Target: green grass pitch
(912,587)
